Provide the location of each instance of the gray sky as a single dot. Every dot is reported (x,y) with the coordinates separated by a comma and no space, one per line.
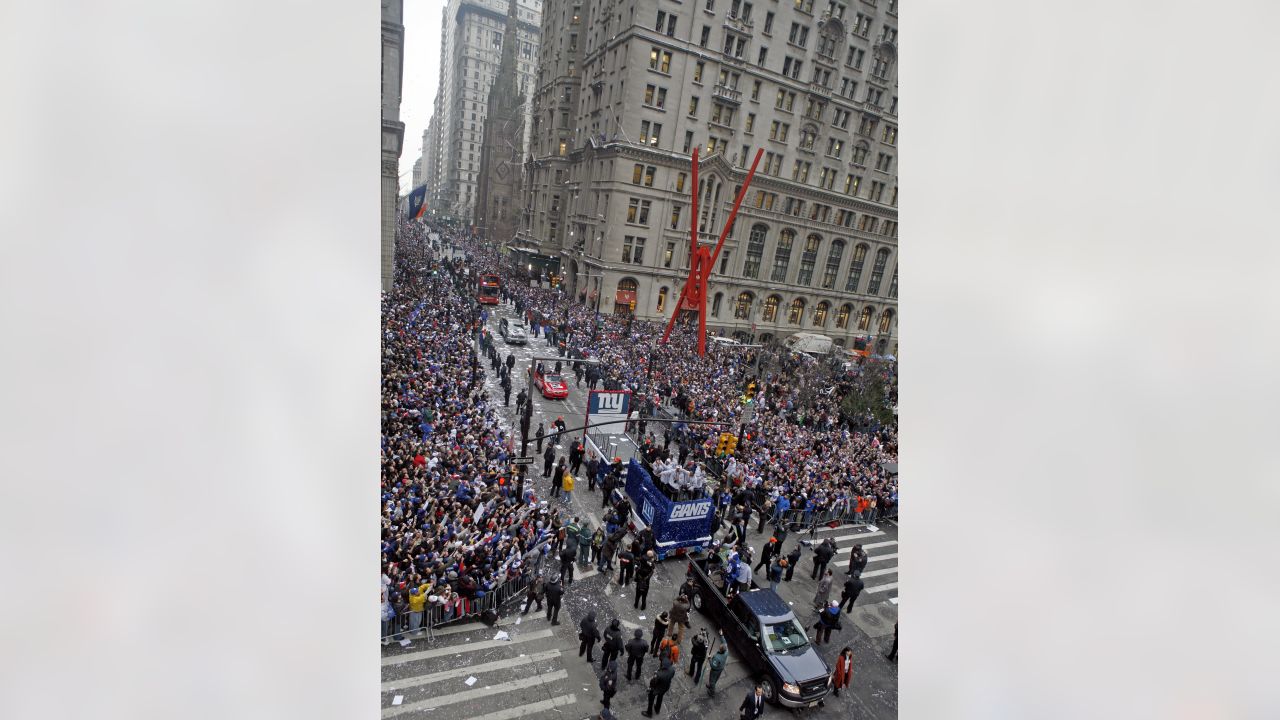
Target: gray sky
(421,74)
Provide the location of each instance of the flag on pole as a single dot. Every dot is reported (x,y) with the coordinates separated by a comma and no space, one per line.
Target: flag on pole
(418,202)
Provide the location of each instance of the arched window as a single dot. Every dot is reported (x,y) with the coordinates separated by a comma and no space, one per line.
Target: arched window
(782,255)
(625,301)
(833,265)
(820,314)
(877,271)
(860,153)
(886,320)
(842,320)
(770,313)
(855,268)
(893,283)
(808,259)
(662,299)
(864,319)
(715,304)
(808,136)
(755,251)
(796,314)
(743,309)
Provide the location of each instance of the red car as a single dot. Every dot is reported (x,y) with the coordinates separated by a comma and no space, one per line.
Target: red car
(551,385)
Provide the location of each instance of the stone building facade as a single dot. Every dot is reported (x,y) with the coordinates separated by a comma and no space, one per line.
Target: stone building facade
(621,103)
(392,129)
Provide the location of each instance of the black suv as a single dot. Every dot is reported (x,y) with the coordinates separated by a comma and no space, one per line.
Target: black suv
(769,638)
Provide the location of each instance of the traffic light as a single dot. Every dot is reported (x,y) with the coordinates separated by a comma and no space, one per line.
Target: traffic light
(723,447)
(732,445)
(751,390)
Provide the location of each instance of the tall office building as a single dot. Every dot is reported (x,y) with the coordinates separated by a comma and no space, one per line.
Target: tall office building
(624,94)
(392,129)
(472,36)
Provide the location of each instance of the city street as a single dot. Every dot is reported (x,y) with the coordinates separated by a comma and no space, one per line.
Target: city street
(535,672)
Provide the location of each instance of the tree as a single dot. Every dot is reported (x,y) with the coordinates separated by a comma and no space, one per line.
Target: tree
(868,394)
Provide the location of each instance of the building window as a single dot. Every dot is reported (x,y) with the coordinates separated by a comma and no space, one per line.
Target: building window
(688,140)
(659,60)
(755,251)
(796,314)
(860,154)
(820,314)
(768,23)
(648,175)
(893,284)
(715,304)
(724,261)
(886,321)
(842,319)
(675,216)
(662,300)
(833,265)
(782,255)
(697,71)
(638,211)
(851,183)
(808,258)
(650,133)
(884,162)
(680,179)
(693,106)
(864,318)
(637,173)
(805,6)
(770,313)
(855,268)
(633,250)
(706,36)
(751,121)
(564,148)
(669,255)
(877,272)
(742,311)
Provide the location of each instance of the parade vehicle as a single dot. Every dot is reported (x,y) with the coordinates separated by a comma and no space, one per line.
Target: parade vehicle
(768,637)
(679,526)
(490,287)
(513,331)
(551,385)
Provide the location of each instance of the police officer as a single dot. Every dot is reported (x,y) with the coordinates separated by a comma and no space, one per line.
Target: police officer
(553,591)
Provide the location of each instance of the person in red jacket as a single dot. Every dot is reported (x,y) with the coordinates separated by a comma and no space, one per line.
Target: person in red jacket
(844,670)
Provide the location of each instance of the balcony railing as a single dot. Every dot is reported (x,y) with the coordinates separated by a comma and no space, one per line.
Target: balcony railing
(820,90)
(740,24)
(727,94)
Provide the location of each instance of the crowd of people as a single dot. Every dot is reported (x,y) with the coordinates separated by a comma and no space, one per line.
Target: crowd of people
(457,522)
(799,451)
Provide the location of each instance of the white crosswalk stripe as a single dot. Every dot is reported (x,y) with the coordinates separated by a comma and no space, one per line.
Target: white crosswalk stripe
(466,695)
(468,647)
(882,588)
(530,708)
(468,670)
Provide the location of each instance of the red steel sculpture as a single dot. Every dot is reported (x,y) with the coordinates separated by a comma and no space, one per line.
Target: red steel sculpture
(701,259)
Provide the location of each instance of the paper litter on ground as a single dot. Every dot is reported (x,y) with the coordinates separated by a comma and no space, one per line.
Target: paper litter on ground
(872,528)
(470,681)
(518,620)
(405,642)
(502,635)
(893,600)
(397,700)
(642,617)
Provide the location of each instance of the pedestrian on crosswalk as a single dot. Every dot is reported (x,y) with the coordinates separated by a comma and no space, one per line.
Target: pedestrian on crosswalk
(828,620)
(609,682)
(533,593)
(588,634)
(658,688)
(821,556)
(718,662)
(553,591)
(852,588)
(823,595)
(857,561)
(636,649)
(612,647)
(659,631)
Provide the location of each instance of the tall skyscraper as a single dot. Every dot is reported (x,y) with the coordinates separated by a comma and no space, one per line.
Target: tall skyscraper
(472,37)
(392,129)
(624,94)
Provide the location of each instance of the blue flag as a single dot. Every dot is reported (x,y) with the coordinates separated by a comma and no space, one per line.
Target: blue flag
(418,202)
